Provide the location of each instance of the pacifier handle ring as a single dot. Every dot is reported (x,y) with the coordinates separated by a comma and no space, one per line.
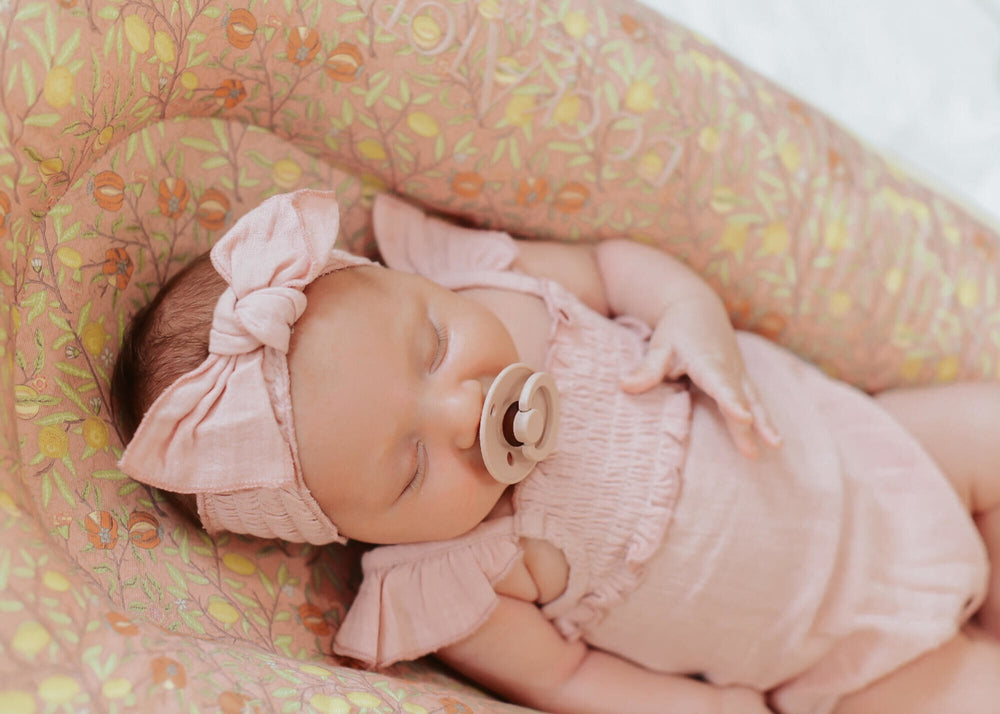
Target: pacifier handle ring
(537,393)
(533,398)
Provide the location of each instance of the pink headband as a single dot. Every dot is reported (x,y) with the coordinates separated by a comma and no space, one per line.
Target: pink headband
(224,431)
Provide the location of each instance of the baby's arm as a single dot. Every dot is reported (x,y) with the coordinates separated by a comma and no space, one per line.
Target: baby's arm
(692,333)
(521,656)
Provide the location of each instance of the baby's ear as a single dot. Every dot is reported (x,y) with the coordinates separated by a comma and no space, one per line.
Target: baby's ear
(413,242)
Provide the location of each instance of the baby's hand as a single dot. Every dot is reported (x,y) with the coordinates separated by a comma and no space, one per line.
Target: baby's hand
(702,344)
(739,700)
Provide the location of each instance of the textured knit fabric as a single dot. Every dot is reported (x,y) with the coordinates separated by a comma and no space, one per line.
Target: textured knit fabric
(808,573)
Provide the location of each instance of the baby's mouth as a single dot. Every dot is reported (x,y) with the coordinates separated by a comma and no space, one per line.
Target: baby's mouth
(519,421)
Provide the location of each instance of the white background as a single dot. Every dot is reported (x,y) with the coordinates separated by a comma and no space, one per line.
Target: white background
(918,80)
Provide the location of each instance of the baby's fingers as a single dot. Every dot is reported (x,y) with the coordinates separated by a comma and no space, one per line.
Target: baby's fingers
(655,366)
(727,393)
(743,436)
(761,420)
(746,427)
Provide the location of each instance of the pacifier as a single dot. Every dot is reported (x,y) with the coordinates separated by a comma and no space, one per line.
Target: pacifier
(519,421)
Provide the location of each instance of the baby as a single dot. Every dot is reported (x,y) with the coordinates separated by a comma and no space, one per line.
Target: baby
(674,553)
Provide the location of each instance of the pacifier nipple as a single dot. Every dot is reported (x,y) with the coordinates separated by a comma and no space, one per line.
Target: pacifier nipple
(519,421)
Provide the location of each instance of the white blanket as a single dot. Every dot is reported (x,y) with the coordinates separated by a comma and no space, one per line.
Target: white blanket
(918,80)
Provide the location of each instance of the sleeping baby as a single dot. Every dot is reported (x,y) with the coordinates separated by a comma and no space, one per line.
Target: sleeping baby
(589,493)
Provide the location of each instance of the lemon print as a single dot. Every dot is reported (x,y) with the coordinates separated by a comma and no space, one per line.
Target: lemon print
(371,150)
(93,337)
(95,432)
(489,9)
(55,580)
(967,292)
(839,304)
(425,32)
(371,186)
(58,90)
(70,257)
(835,237)
(709,139)
(58,689)
(734,237)
(791,157)
(775,238)
(327,704)
(576,24)
(911,368)
(163,46)
(650,165)
(116,688)
(107,134)
(223,611)
(8,505)
(947,368)
(25,404)
(508,70)
(640,98)
(728,72)
(765,96)
(286,173)
(53,442)
(568,109)
(189,80)
(239,564)
(314,669)
(15,701)
(702,61)
(893,280)
(414,709)
(724,199)
(519,109)
(137,33)
(364,700)
(50,167)
(423,124)
(920,210)
(30,638)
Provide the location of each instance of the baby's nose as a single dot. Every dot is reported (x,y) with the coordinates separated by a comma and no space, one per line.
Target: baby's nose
(464,406)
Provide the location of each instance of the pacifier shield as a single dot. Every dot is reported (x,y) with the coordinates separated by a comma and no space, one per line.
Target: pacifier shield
(519,422)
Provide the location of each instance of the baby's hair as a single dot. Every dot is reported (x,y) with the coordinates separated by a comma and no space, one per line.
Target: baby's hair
(166,339)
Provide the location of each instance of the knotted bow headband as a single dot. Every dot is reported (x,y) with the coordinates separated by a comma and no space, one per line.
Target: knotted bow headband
(224,431)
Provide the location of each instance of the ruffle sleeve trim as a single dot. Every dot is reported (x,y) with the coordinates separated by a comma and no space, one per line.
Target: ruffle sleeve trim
(417,598)
(411,241)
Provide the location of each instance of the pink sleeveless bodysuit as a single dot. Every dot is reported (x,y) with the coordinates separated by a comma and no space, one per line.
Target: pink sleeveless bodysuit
(807,573)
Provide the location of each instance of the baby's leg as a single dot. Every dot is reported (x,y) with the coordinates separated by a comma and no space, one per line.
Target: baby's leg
(960,676)
(959,426)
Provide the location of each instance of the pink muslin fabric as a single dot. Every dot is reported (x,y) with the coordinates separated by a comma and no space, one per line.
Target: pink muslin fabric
(224,431)
(806,573)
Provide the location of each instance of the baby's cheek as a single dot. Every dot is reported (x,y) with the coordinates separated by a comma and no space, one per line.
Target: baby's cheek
(469,499)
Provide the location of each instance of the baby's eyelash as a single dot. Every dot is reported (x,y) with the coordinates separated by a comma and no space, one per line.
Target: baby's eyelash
(419,472)
(442,344)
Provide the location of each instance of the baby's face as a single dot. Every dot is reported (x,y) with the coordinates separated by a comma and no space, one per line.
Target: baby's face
(385,370)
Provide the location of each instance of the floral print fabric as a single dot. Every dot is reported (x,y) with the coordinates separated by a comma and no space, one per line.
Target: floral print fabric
(133,133)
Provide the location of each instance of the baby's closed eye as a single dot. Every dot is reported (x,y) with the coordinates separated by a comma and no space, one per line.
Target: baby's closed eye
(440,344)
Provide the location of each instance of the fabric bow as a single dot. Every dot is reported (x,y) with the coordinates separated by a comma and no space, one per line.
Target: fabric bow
(226,428)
